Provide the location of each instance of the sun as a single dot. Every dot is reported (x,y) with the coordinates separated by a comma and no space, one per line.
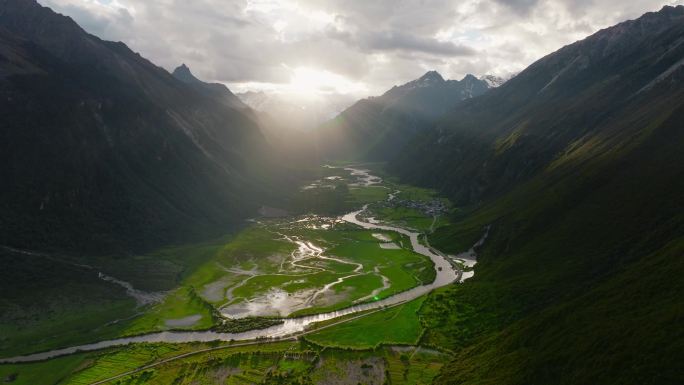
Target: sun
(312,82)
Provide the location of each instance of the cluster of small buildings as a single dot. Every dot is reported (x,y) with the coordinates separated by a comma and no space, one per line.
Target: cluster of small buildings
(429,208)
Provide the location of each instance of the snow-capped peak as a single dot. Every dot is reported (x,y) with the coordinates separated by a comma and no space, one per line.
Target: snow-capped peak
(430,79)
(493,81)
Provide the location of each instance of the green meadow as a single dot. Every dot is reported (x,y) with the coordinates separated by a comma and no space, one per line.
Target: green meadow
(297,255)
(398,325)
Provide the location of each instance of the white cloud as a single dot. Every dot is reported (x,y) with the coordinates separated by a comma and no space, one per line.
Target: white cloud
(357,47)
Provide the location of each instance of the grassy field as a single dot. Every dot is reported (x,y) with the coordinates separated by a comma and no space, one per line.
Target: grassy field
(271,363)
(398,325)
(258,253)
(358,256)
(85,368)
(257,261)
(199,279)
(404,217)
(54,371)
(370,194)
(410,207)
(47,303)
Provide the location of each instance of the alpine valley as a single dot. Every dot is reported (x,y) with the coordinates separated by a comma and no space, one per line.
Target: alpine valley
(158,228)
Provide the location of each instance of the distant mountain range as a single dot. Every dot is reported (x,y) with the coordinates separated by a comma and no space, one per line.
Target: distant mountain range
(378,127)
(284,112)
(103,150)
(289,123)
(431,96)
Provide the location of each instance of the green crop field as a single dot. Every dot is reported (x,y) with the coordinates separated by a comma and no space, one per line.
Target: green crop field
(263,363)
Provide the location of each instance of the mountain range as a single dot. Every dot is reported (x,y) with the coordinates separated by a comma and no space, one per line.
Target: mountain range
(571,174)
(302,114)
(576,168)
(378,127)
(103,150)
(561,105)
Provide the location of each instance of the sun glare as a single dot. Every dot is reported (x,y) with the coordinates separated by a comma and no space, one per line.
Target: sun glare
(311,82)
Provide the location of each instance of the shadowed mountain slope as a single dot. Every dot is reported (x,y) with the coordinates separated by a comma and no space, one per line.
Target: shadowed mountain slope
(103,150)
(577,166)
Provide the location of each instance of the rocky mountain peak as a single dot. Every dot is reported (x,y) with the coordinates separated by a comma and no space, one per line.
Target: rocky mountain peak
(431,76)
(184,74)
(217,90)
(469,78)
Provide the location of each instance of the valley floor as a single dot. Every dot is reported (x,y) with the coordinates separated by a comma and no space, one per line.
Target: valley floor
(284,266)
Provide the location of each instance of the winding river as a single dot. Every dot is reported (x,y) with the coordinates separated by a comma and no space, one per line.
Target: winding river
(291,326)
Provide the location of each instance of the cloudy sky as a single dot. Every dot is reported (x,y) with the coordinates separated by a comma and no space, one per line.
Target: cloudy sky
(355,47)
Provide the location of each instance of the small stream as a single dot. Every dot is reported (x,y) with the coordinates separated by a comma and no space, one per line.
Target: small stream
(445,274)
